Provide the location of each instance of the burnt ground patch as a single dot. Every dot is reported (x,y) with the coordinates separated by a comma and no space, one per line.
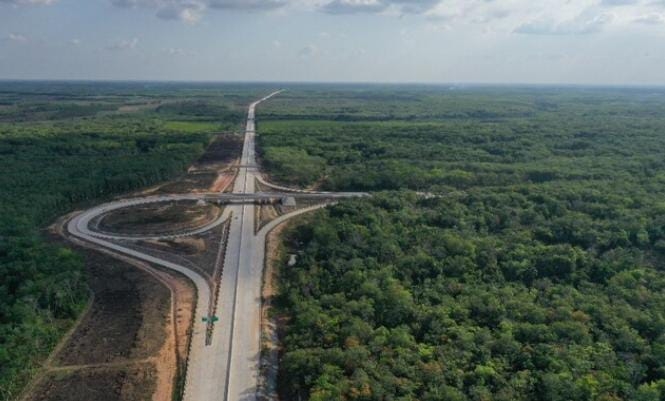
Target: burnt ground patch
(198,252)
(126,319)
(134,383)
(193,181)
(119,349)
(223,149)
(159,218)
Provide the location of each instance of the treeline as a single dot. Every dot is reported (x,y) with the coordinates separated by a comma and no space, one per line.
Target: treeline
(519,258)
(48,168)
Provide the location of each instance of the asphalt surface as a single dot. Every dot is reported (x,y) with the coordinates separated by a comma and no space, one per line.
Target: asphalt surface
(226,368)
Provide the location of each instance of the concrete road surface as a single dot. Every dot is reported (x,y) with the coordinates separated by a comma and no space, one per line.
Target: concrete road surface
(239,328)
(226,368)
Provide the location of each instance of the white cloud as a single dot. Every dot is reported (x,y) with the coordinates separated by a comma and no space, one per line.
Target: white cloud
(29,2)
(16,37)
(125,44)
(191,11)
(612,3)
(247,4)
(178,51)
(577,26)
(175,51)
(378,6)
(187,12)
(354,6)
(544,17)
(651,19)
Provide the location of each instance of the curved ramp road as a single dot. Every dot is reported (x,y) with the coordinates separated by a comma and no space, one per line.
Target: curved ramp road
(227,369)
(81,223)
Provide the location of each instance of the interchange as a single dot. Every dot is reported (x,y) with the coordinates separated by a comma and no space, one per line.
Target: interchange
(223,364)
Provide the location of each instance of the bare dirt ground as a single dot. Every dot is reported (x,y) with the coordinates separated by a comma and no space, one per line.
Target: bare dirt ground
(222,182)
(198,252)
(170,365)
(133,341)
(194,181)
(126,318)
(130,344)
(183,307)
(225,149)
(208,170)
(158,218)
(185,245)
(134,383)
(203,175)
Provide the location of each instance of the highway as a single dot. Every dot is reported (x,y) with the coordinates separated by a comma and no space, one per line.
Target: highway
(225,368)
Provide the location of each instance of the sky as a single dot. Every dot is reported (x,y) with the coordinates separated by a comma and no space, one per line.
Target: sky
(598,42)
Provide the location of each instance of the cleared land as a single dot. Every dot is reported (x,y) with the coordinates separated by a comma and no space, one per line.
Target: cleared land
(127,317)
(159,218)
(127,344)
(134,383)
(211,170)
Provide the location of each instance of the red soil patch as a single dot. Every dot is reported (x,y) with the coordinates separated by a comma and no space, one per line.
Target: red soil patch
(222,182)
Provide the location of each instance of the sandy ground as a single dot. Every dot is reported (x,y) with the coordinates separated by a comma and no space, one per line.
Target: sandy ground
(172,357)
(222,182)
(185,296)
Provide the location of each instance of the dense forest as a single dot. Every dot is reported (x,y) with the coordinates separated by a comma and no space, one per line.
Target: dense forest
(514,249)
(64,145)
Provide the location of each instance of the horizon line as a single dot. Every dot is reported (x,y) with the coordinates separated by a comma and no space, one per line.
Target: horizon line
(334,82)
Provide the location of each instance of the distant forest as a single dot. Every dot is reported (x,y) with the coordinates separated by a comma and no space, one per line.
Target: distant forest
(514,248)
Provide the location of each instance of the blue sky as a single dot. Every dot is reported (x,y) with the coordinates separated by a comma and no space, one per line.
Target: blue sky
(451,41)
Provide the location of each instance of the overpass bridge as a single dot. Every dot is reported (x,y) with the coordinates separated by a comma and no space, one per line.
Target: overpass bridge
(223,364)
(262,198)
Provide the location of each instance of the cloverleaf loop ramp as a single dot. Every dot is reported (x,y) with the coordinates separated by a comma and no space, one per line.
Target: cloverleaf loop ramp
(223,363)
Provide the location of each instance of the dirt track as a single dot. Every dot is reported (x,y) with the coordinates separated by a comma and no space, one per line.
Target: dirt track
(222,182)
